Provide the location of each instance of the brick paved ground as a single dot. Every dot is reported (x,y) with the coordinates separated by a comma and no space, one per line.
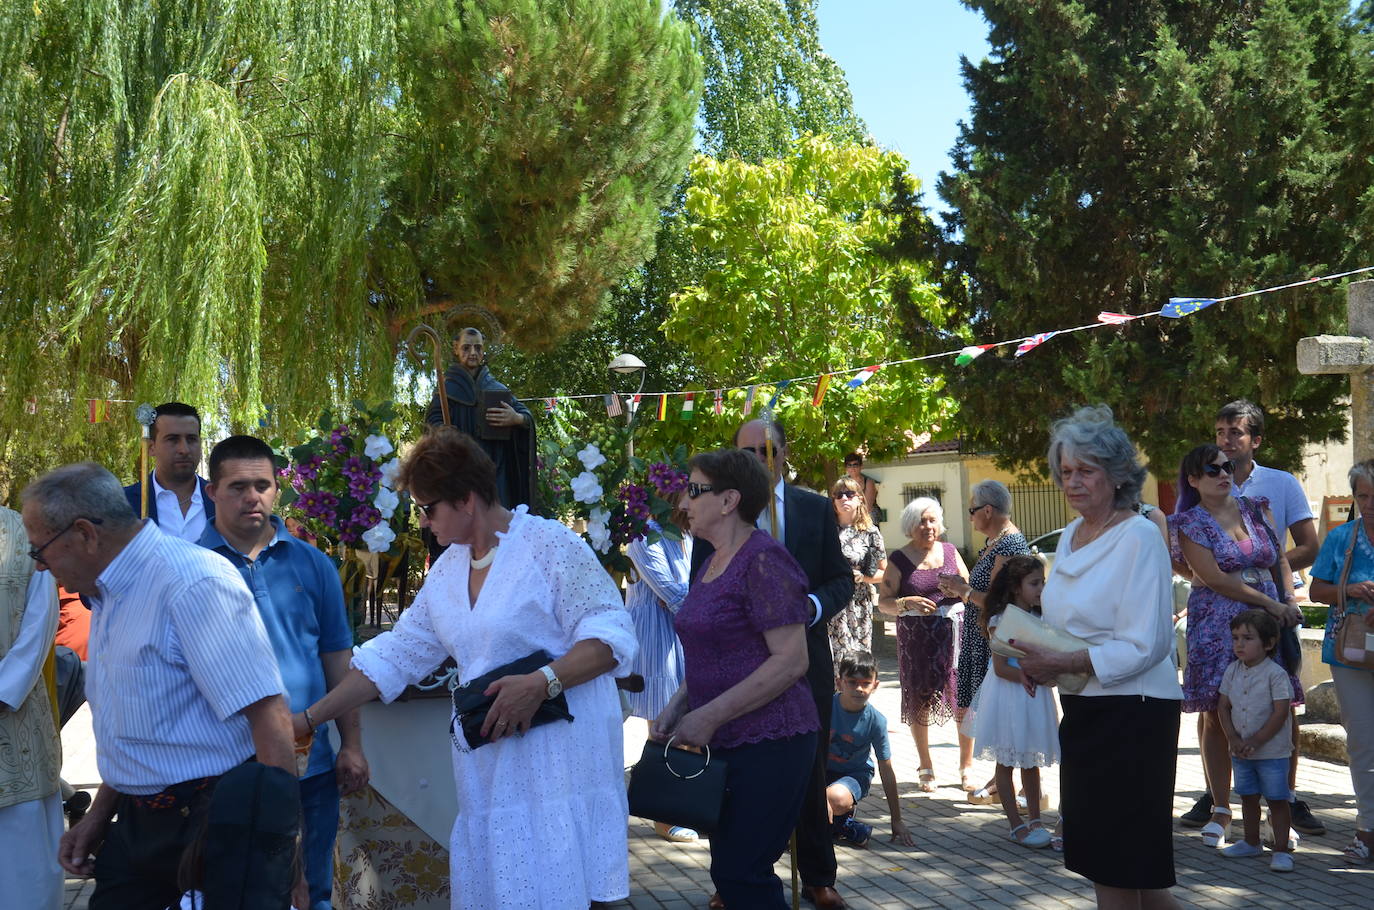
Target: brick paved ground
(962,857)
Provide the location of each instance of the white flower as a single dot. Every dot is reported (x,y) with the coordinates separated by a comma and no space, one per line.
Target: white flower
(379,537)
(599,531)
(386,502)
(591,457)
(586,488)
(375,447)
(389,472)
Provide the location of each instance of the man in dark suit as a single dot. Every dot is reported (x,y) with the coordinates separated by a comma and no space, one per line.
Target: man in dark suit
(811,535)
(177,502)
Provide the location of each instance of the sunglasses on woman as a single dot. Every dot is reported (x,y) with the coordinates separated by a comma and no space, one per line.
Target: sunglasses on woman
(845,494)
(1216,470)
(695,489)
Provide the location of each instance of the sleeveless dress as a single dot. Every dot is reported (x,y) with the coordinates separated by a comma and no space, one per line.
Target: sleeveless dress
(927,646)
(1210,613)
(1012,728)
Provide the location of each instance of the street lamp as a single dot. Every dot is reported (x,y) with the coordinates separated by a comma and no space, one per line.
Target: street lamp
(628,365)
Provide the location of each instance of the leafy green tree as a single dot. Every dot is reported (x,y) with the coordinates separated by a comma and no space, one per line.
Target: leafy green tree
(801,284)
(1122,153)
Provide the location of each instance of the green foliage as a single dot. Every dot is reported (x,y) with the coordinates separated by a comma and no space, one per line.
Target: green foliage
(1122,153)
(802,283)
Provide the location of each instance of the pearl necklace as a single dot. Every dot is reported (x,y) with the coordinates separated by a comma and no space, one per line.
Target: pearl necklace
(485,560)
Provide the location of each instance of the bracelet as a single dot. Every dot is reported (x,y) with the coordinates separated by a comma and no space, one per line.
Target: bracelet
(309,721)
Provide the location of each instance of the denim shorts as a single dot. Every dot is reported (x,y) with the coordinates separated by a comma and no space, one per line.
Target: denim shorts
(857,786)
(1267,777)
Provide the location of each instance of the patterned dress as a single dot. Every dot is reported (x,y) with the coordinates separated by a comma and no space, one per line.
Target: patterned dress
(1210,613)
(973,647)
(852,628)
(927,646)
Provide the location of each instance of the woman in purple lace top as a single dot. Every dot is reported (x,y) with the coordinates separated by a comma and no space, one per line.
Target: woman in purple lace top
(743,632)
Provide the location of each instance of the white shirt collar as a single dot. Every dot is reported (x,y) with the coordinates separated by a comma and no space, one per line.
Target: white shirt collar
(159,489)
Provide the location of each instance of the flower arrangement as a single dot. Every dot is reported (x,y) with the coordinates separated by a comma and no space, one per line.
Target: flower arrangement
(340,483)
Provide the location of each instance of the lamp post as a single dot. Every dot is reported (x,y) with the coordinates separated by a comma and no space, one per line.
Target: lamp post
(627,365)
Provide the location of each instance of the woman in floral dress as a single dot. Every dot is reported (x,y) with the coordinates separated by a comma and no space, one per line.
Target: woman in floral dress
(862,544)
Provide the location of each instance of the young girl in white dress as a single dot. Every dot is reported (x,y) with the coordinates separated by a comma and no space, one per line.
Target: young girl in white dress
(1016,724)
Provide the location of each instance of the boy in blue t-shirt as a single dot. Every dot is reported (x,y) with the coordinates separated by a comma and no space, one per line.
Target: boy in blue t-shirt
(856,730)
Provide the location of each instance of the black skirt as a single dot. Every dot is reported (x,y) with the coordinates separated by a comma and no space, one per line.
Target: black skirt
(1123,750)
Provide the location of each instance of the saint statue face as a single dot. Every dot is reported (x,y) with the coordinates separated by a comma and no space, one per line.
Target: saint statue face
(471,348)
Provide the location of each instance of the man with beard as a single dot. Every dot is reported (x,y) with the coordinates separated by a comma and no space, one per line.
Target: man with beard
(176,499)
(485,410)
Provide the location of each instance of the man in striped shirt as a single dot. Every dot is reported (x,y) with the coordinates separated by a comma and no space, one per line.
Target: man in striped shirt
(181,681)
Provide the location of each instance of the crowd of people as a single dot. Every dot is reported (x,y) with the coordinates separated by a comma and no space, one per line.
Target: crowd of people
(217,647)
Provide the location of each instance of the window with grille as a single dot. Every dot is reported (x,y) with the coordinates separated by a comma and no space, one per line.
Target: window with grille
(1038,508)
(912,491)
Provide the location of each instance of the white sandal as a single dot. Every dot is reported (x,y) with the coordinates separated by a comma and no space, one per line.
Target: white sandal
(1213,833)
(1357,852)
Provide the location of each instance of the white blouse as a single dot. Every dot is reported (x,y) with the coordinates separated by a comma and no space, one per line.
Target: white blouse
(1117,593)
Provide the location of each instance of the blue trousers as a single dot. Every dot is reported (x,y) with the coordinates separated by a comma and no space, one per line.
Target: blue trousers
(766,783)
(319,825)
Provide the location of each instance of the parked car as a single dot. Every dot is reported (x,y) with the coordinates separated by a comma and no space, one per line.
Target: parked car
(1044,546)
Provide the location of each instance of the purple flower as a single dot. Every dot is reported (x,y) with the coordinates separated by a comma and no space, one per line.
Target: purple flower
(667,479)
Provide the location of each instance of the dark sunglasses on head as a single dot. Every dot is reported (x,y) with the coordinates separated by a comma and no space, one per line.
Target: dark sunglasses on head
(1214,469)
(845,494)
(695,489)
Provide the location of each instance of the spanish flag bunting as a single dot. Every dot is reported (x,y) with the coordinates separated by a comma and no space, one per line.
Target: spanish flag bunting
(1033,342)
(749,399)
(821,385)
(863,376)
(97,410)
(720,401)
(689,403)
(971,353)
(663,407)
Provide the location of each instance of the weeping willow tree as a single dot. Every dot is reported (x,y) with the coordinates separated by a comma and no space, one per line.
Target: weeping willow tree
(246,204)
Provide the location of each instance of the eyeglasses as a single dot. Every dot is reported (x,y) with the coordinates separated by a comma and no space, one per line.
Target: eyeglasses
(1215,470)
(695,489)
(973,510)
(427,507)
(845,494)
(36,554)
(853,464)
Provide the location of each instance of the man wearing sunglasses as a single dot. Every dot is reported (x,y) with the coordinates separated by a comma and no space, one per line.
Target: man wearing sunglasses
(1239,432)
(805,523)
(181,680)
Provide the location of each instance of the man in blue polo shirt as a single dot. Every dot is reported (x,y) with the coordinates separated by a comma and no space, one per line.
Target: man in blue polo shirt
(301,602)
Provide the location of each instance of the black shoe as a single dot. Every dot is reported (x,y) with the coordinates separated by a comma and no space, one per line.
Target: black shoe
(76,807)
(1200,814)
(1303,820)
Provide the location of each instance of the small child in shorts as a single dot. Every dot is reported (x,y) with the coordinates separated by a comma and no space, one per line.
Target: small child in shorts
(858,729)
(1254,713)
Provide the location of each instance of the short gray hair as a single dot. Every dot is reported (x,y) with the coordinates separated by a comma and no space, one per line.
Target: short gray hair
(916,510)
(82,490)
(1362,470)
(992,493)
(1092,435)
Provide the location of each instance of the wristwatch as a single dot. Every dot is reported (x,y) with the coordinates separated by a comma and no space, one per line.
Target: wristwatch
(555,684)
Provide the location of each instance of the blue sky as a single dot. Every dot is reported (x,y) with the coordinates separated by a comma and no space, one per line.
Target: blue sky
(901,58)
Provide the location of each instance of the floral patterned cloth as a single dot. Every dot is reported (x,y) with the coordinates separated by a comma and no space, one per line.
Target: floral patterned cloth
(852,628)
(973,647)
(382,861)
(927,646)
(1210,613)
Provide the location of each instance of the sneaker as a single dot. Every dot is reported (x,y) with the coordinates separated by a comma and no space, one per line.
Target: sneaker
(856,833)
(1241,849)
(1282,862)
(1200,814)
(1267,835)
(1303,819)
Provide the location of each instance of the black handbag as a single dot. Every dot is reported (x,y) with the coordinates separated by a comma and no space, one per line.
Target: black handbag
(678,787)
(470,706)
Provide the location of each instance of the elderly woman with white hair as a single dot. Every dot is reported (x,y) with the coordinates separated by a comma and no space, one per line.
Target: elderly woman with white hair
(927,625)
(1111,587)
(989,510)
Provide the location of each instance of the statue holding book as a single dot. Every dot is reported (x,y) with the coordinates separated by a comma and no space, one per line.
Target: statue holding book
(487,411)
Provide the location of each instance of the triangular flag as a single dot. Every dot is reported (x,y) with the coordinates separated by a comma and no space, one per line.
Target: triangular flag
(720,401)
(863,376)
(663,406)
(689,403)
(635,400)
(1033,342)
(777,393)
(1113,318)
(613,408)
(749,399)
(97,410)
(30,405)
(970,353)
(549,403)
(821,385)
(1178,307)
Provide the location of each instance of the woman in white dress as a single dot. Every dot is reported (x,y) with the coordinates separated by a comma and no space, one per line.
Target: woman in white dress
(542,815)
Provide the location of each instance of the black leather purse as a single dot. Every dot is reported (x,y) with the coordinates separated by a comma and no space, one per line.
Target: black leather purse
(470,706)
(678,787)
